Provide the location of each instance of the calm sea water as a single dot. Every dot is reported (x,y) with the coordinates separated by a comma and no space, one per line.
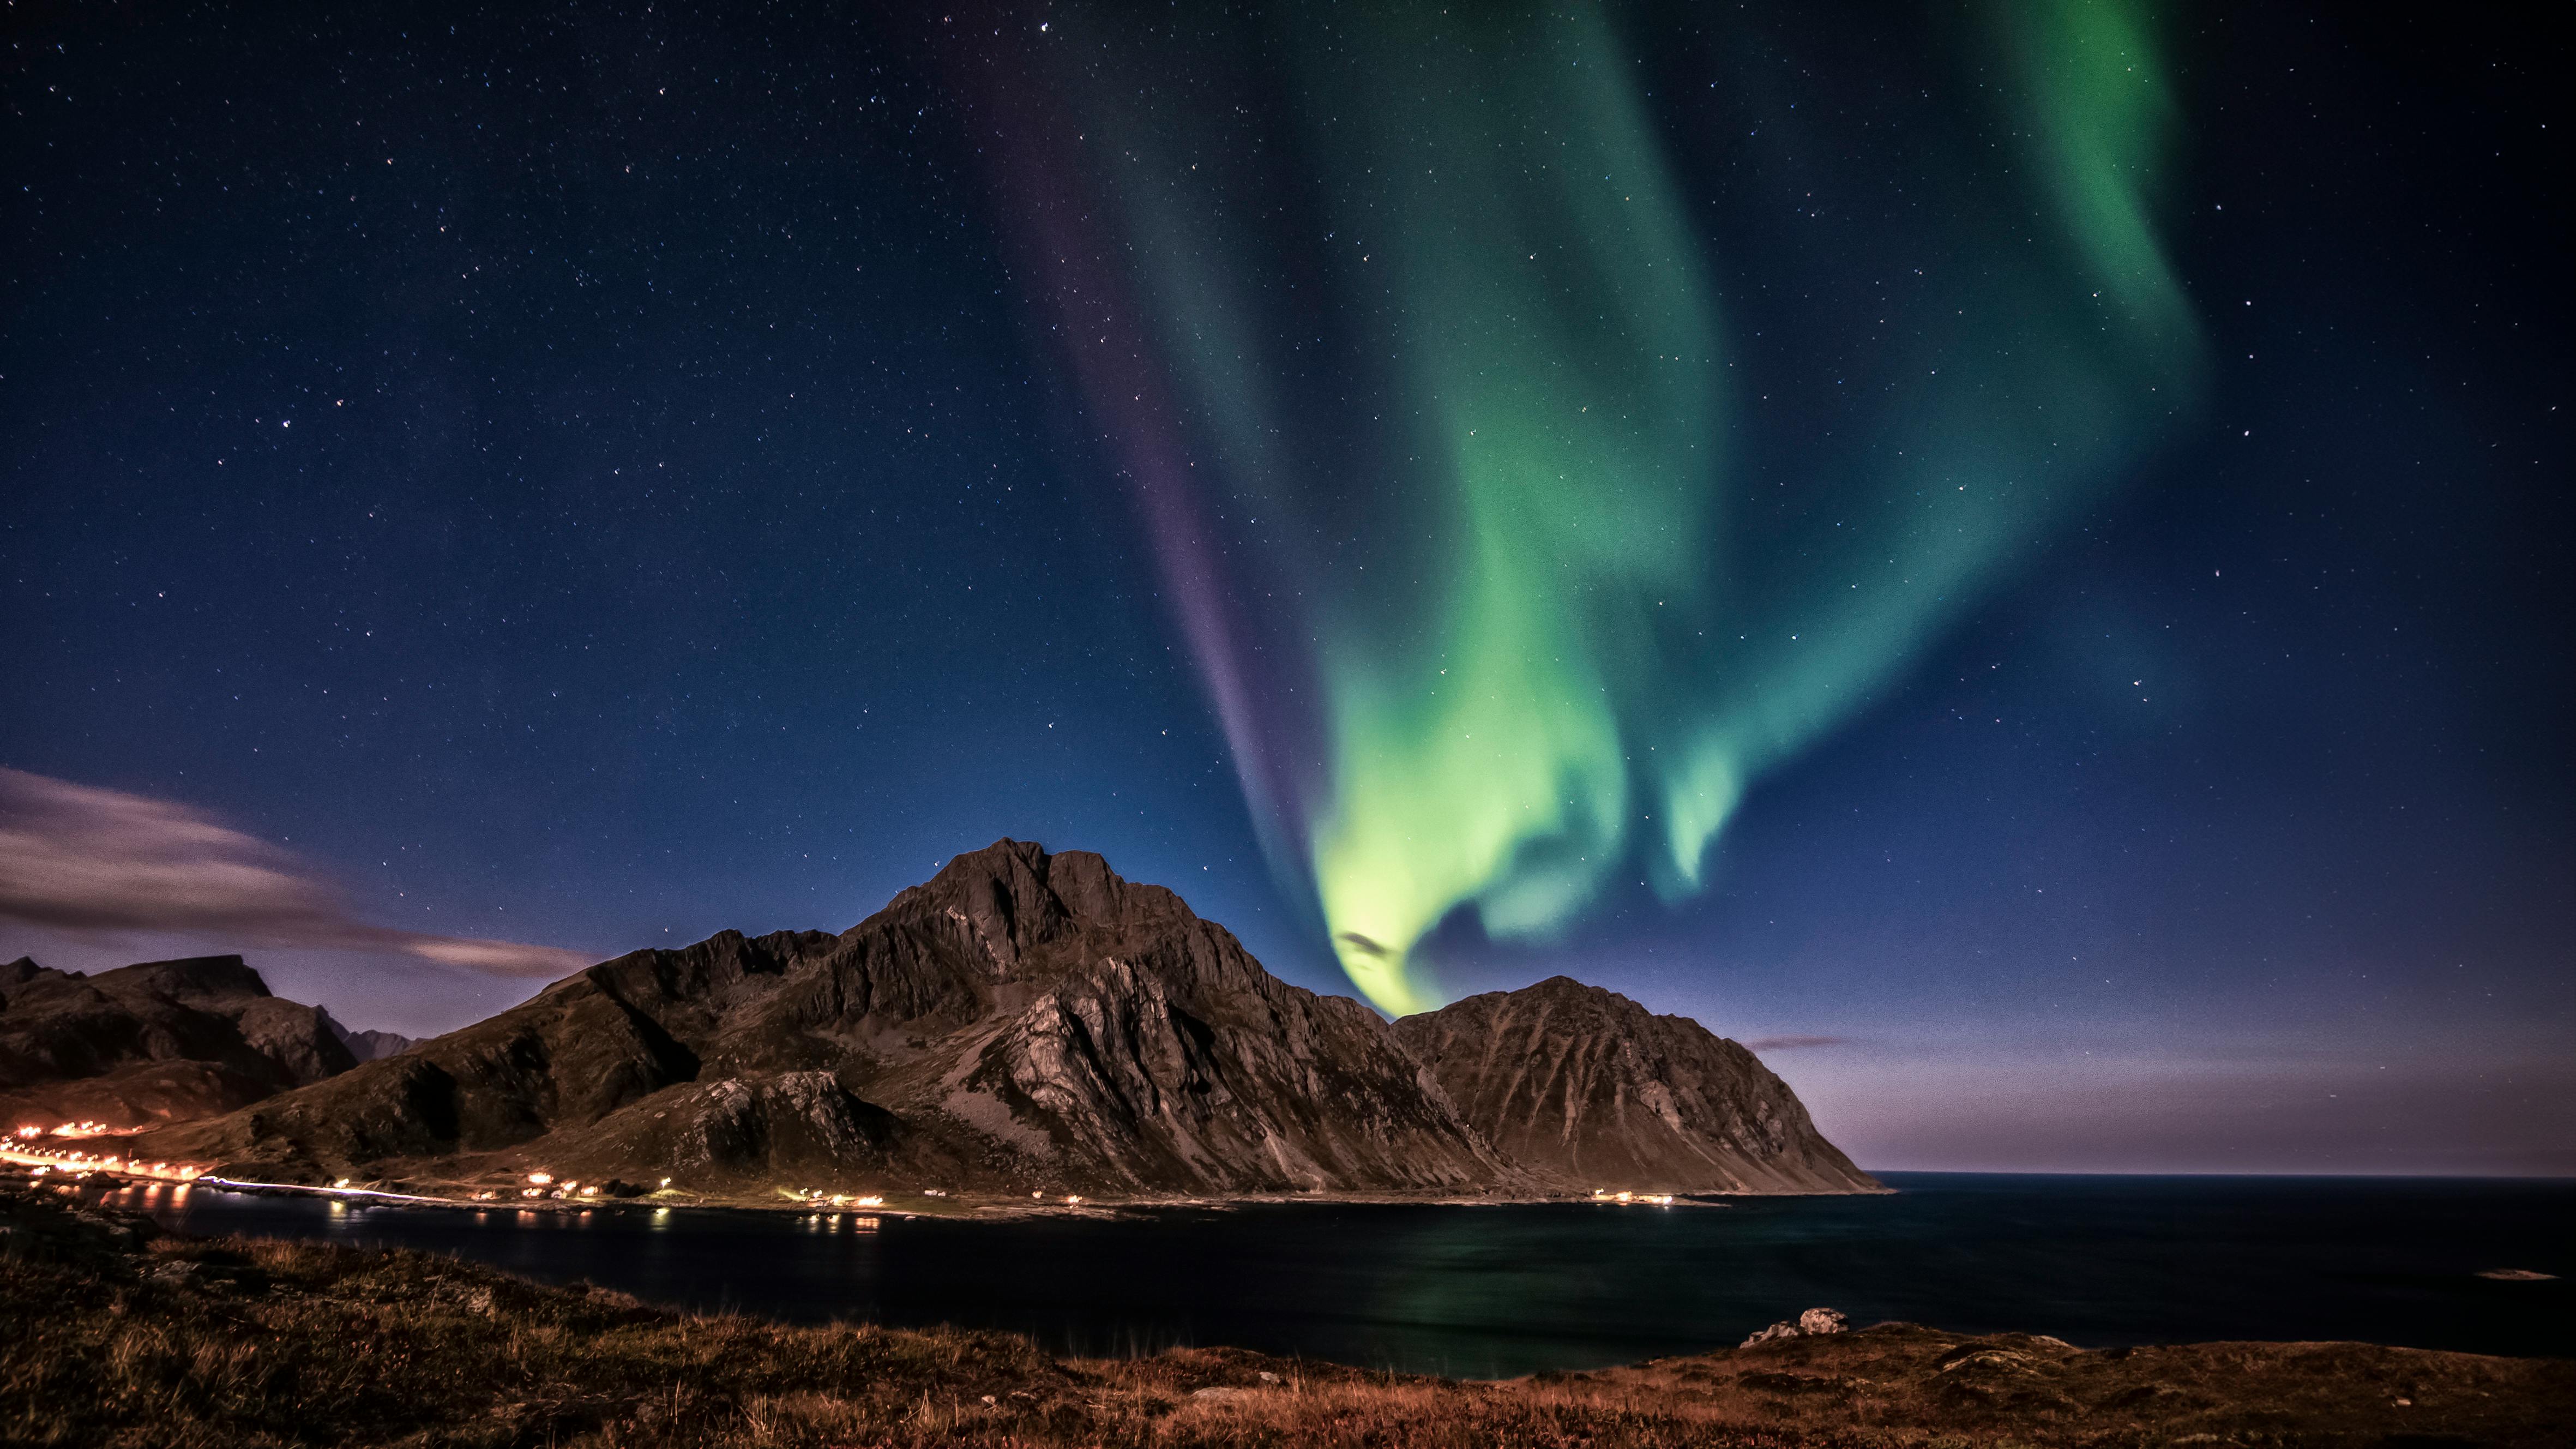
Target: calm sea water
(1498,1291)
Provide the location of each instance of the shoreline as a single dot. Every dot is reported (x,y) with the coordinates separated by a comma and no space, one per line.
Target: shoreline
(130,1334)
(963,1210)
(944,1206)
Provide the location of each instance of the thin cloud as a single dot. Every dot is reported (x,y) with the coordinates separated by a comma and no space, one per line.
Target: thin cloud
(79,859)
(1793,1043)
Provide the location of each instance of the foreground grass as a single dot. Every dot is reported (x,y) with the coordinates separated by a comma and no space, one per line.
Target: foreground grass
(114,1336)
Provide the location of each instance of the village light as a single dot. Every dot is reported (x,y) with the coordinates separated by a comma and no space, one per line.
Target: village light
(540,1179)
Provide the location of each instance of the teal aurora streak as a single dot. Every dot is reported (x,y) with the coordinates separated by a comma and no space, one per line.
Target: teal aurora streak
(1476,429)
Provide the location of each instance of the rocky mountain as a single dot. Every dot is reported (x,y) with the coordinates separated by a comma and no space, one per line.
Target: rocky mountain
(1023,1021)
(1028,1021)
(374,1046)
(1586,1087)
(161,1041)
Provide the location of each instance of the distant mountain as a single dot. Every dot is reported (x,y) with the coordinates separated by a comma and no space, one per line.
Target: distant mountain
(1025,1021)
(162,1041)
(1585,1086)
(373,1046)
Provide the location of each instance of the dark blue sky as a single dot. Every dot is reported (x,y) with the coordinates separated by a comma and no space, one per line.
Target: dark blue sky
(595,481)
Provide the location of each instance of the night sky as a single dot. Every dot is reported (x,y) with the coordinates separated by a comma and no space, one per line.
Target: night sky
(2016,559)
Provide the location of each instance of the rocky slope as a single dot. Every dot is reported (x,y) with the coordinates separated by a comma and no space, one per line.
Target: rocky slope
(1024,1021)
(1587,1087)
(374,1046)
(161,1041)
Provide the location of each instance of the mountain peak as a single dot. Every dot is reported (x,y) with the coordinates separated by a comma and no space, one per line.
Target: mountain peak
(1026,1020)
(1584,1084)
(1566,988)
(1016,895)
(186,977)
(155,1041)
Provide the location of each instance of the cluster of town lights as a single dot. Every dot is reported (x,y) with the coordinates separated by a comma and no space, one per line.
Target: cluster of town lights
(839,1199)
(67,1129)
(49,1160)
(543,1184)
(23,1148)
(1656,1199)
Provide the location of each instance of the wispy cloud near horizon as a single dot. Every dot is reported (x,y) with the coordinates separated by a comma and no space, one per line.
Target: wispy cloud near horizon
(86,861)
(1793,1043)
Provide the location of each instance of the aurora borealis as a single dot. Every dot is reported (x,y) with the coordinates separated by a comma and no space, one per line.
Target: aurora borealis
(2009,556)
(1545,633)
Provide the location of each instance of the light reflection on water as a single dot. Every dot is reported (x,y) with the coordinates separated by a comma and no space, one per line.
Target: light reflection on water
(1502,1290)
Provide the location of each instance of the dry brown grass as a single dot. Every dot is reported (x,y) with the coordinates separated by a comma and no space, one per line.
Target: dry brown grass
(192,1343)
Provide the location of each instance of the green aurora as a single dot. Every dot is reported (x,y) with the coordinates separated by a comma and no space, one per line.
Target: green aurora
(1506,522)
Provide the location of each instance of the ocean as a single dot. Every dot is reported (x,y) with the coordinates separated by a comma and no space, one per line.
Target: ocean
(1499,1291)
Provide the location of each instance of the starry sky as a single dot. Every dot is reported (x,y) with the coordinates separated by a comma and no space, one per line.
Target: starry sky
(487,491)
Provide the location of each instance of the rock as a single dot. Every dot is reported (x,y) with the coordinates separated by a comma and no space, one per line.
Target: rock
(158,1041)
(1268,1377)
(1813,1321)
(1593,1090)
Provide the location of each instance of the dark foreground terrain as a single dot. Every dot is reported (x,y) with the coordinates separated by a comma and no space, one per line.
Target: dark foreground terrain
(118,1335)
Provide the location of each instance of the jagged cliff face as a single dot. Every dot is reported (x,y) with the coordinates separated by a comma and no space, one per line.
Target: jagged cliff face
(1025,1020)
(1593,1091)
(156,1042)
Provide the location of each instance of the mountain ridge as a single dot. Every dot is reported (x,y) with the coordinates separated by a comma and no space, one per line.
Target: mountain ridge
(1582,1083)
(1024,1021)
(154,1041)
